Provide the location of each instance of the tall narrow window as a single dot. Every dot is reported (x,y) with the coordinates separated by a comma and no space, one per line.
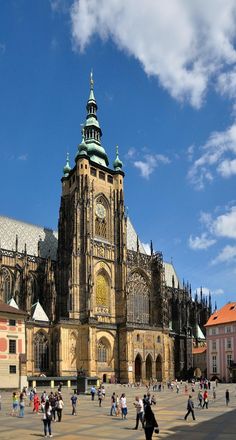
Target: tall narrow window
(6,284)
(229,360)
(12,346)
(41,361)
(214,364)
(102,291)
(101,220)
(102,352)
(138,305)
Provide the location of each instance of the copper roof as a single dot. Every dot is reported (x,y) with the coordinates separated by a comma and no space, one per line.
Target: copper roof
(199,350)
(225,315)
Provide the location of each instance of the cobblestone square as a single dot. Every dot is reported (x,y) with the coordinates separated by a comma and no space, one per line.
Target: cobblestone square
(91,422)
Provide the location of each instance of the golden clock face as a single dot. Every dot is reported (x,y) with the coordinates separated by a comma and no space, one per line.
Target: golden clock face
(100,210)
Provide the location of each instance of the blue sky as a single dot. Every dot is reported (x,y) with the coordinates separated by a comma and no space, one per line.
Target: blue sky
(165,84)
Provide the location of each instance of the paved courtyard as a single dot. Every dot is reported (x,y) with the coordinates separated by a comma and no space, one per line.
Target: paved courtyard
(217,422)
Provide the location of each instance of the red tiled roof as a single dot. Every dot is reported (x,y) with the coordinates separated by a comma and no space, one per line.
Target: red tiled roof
(199,350)
(225,315)
(9,309)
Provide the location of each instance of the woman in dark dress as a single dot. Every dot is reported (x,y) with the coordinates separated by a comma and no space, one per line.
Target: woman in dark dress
(149,423)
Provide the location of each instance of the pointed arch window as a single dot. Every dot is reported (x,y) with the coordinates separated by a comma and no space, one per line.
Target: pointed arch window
(138,303)
(102,290)
(101,214)
(102,352)
(6,284)
(41,352)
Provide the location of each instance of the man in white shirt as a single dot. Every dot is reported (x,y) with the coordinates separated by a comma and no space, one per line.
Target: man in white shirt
(139,408)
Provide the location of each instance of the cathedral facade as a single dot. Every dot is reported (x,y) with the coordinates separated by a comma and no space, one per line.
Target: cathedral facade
(96,301)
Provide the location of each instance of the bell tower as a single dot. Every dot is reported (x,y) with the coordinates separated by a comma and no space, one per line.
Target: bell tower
(92,231)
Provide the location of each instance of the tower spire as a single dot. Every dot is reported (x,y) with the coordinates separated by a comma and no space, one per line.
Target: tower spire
(92,131)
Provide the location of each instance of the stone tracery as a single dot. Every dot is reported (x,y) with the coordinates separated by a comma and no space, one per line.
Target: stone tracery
(138,304)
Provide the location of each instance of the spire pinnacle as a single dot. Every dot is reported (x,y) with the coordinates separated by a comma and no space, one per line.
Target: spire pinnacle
(91,80)
(91,137)
(117,162)
(91,95)
(82,147)
(67,167)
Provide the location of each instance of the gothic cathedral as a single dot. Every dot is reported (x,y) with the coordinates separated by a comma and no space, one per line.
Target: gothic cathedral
(96,301)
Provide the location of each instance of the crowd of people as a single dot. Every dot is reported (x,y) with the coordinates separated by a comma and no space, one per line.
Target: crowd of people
(50,405)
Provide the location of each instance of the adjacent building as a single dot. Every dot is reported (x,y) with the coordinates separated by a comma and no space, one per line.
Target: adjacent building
(221,343)
(97,301)
(12,347)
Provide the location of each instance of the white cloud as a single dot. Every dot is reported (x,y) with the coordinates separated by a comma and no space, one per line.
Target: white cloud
(190,152)
(218,153)
(227,255)
(60,5)
(225,225)
(227,168)
(206,219)
(205,291)
(131,153)
(202,242)
(186,44)
(150,163)
(23,157)
(227,83)
(218,292)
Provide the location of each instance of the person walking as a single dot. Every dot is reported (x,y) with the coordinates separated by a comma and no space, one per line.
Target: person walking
(100,397)
(14,403)
(73,403)
(149,423)
(60,405)
(139,411)
(36,403)
(93,392)
(214,394)
(205,399)
(190,408)
(52,401)
(199,396)
(46,417)
(22,405)
(227,397)
(123,405)
(118,409)
(113,405)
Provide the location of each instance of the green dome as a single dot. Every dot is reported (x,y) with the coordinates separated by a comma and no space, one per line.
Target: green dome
(117,164)
(97,153)
(67,168)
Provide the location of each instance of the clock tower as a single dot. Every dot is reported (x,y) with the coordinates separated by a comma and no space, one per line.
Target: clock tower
(92,247)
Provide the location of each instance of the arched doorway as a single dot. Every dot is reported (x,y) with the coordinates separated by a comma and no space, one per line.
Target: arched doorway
(104,378)
(159,368)
(149,367)
(138,368)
